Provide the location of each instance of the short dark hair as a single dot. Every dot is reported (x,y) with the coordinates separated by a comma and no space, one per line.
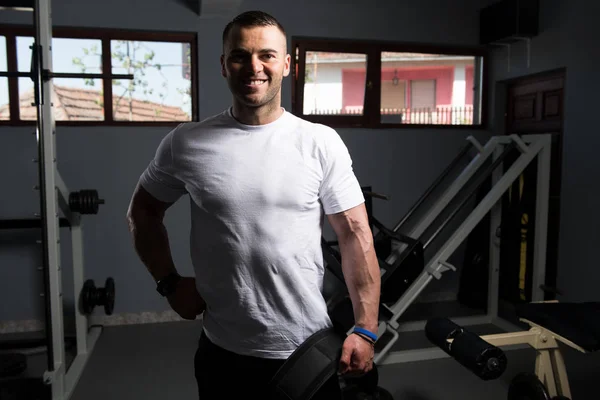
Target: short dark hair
(251,19)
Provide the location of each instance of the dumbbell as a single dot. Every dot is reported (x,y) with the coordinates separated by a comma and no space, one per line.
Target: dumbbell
(365,387)
(85,201)
(92,296)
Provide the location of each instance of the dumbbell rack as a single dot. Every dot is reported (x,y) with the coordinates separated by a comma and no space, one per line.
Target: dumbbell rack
(60,378)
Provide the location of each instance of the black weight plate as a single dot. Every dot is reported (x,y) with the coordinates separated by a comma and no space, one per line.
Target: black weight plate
(383,394)
(354,393)
(12,364)
(527,386)
(88,293)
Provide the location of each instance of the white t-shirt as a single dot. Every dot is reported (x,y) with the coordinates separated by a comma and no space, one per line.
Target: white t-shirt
(259,194)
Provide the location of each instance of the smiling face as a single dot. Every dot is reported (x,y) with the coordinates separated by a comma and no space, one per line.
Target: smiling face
(254,62)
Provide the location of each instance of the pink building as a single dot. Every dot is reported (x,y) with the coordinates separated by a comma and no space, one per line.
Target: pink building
(421,88)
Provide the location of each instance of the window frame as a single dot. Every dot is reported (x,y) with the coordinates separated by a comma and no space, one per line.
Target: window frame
(105,35)
(371,117)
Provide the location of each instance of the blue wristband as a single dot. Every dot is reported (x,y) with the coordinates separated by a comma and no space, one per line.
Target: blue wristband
(366,333)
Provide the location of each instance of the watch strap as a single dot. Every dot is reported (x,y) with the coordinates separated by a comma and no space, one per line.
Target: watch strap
(166,286)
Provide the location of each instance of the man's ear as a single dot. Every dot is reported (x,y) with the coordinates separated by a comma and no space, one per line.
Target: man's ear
(287,63)
(223,69)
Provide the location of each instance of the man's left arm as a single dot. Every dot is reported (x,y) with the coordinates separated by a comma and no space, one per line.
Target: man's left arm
(359,264)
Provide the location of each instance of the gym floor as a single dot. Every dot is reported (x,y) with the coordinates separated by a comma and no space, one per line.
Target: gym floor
(155,361)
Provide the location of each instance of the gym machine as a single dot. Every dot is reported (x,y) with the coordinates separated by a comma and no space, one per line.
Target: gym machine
(60,378)
(418,249)
(549,322)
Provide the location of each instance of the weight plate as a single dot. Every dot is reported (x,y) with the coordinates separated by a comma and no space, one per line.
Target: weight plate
(354,393)
(88,296)
(12,364)
(527,386)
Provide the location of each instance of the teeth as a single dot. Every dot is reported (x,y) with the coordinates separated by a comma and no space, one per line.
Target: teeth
(257,82)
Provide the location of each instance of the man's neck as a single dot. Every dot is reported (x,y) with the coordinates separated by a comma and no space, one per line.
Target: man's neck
(257,116)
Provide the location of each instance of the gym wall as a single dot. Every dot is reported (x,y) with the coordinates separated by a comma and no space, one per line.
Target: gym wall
(398,163)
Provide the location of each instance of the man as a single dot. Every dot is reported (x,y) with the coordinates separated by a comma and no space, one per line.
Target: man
(260,180)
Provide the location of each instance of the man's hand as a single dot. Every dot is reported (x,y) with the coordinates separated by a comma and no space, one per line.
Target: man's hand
(357,356)
(186,301)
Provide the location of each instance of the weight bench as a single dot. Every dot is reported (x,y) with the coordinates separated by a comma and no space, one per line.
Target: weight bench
(576,325)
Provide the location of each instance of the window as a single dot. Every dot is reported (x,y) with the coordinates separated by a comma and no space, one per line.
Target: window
(345,83)
(4,109)
(162,91)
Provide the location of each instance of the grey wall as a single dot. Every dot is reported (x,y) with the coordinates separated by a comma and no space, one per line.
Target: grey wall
(566,41)
(399,163)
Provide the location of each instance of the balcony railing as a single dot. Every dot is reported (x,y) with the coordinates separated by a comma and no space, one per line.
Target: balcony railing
(462,115)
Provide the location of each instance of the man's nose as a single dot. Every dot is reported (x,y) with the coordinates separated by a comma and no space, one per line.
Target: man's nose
(255,64)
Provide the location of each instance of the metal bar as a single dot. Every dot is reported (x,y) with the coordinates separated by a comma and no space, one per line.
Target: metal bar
(477,90)
(545,366)
(381,354)
(512,338)
(560,371)
(414,326)
(28,223)
(47,163)
(79,362)
(403,356)
(107,84)
(480,180)
(63,200)
(96,76)
(13,84)
(430,189)
(494,248)
(70,75)
(541,221)
(81,323)
(428,353)
(47,232)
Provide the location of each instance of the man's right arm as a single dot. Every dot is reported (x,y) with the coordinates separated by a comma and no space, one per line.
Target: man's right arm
(145,219)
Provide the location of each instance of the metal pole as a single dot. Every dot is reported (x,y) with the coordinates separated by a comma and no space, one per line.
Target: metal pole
(541,220)
(494,250)
(36,74)
(439,179)
(472,191)
(42,51)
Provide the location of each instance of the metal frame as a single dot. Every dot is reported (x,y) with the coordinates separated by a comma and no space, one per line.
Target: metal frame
(54,195)
(531,147)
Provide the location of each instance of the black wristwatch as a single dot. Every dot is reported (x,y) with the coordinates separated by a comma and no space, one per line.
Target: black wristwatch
(166,286)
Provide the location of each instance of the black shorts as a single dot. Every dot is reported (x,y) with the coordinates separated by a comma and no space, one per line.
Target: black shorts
(221,374)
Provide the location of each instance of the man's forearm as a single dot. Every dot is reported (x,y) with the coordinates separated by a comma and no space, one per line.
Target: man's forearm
(363,278)
(151,243)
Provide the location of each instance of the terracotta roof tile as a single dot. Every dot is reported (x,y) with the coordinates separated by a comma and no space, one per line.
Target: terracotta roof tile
(71,104)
